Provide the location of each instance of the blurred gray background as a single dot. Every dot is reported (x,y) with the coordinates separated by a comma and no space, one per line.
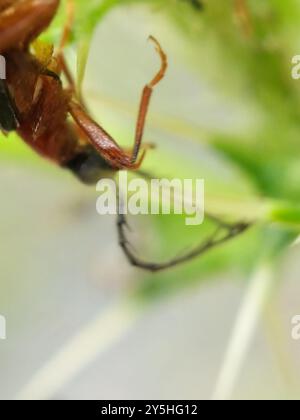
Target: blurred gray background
(60,264)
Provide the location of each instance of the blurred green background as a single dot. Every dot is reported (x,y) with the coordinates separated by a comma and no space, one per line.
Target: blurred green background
(228,112)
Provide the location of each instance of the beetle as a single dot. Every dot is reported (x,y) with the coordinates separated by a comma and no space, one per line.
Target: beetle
(35,104)
(38,105)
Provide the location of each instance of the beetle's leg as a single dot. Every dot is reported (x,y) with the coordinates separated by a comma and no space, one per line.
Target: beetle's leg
(103,142)
(106,146)
(243,14)
(24,20)
(223,233)
(8,113)
(69,22)
(62,62)
(145,100)
(66,71)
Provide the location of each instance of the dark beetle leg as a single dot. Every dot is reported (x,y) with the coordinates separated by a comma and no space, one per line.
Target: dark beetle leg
(8,112)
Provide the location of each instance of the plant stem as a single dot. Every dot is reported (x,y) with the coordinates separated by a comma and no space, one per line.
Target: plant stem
(243,331)
(79,352)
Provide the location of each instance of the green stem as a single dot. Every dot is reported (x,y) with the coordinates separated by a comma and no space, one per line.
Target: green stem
(243,331)
(81,350)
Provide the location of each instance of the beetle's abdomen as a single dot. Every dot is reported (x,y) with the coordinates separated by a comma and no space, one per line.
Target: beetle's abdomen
(88,166)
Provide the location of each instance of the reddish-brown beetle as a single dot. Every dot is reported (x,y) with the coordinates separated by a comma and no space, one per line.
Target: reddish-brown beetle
(41,105)
(34,103)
